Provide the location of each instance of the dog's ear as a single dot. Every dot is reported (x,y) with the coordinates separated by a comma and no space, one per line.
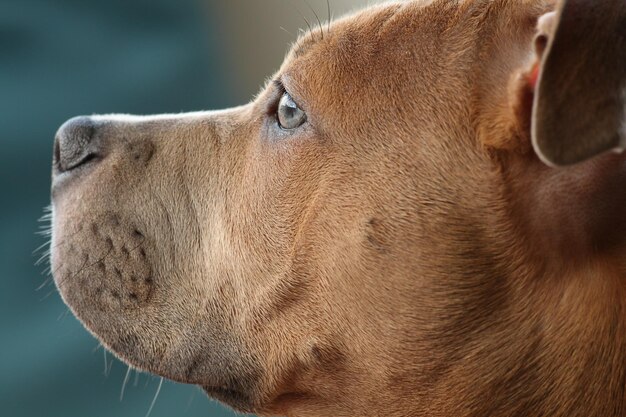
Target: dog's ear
(565,91)
(579,107)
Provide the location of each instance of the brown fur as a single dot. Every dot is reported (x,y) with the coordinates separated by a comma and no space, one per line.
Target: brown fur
(404,253)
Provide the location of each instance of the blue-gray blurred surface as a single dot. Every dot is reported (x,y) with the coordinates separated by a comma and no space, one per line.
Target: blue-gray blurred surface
(58,59)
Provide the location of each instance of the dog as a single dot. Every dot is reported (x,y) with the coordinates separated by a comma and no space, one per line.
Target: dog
(395,226)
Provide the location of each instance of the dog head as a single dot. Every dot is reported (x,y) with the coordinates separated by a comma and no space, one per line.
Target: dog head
(362,236)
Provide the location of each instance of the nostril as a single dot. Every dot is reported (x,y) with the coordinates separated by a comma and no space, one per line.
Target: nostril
(57,152)
(75,144)
(86,159)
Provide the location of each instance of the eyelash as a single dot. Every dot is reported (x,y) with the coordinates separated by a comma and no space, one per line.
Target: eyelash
(279,85)
(280,90)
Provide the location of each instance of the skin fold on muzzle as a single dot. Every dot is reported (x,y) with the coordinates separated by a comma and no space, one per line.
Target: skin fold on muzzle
(372,235)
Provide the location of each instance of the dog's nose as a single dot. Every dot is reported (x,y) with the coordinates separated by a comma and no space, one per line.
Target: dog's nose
(75,144)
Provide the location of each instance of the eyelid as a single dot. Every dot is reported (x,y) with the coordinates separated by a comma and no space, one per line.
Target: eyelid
(280,87)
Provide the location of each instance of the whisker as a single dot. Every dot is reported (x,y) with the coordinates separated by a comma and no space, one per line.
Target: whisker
(43,257)
(330,15)
(65,242)
(111,362)
(46,254)
(47,296)
(286,31)
(43,245)
(191,398)
(319,22)
(106,366)
(43,284)
(308,24)
(155,397)
(45,218)
(63,315)
(124,383)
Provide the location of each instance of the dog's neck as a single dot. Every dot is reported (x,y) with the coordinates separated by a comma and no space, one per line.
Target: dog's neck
(535,324)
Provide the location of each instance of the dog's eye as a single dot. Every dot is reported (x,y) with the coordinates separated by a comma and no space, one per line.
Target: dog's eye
(289,115)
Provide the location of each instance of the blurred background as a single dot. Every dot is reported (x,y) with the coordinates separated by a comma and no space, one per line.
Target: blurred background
(61,58)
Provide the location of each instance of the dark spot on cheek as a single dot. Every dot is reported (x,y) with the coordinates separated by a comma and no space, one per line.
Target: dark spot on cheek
(148,152)
(137,234)
(377,235)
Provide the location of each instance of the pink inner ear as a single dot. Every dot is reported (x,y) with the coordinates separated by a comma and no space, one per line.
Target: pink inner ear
(533,76)
(577,113)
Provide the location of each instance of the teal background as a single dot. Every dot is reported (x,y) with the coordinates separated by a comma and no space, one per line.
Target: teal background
(58,59)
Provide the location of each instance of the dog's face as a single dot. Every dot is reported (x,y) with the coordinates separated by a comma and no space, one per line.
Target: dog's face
(319,250)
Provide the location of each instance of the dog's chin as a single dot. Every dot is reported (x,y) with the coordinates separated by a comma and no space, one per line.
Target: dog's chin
(232,390)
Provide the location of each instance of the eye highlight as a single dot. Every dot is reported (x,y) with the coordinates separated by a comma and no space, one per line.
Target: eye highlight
(289,115)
